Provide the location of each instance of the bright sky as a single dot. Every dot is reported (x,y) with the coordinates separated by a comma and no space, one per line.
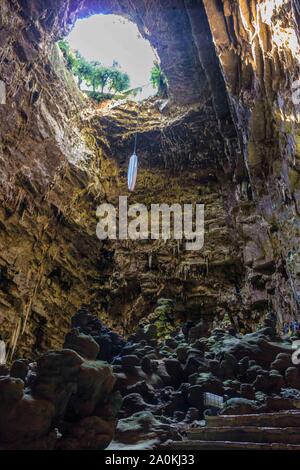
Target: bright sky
(109,37)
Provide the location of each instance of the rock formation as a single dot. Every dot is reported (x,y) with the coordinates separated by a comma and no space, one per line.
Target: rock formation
(228,138)
(62,401)
(152,392)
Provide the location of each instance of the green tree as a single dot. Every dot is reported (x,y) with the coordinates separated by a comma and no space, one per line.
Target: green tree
(82,69)
(69,55)
(100,78)
(94,73)
(119,81)
(159,80)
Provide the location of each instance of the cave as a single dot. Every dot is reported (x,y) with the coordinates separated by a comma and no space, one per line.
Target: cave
(129,344)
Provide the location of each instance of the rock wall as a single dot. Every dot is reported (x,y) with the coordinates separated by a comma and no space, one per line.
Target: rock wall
(50,184)
(259,52)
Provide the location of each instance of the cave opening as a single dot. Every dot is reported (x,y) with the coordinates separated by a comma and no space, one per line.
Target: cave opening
(111,60)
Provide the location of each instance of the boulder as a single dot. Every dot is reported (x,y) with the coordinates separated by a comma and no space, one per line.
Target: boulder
(292,377)
(11,390)
(171,343)
(240,406)
(247,391)
(174,370)
(19,369)
(243,366)
(150,332)
(90,433)
(195,365)
(182,353)
(210,383)
(56,379)
(83,344)
(262,383)
(228,366)
(134,403)
(282,363)
(276,382)
(27,420)
(177,402)
(23,418)
(95,383)
(4,370)
(130,361)
(144,431)
(147,365)
(192,415)
(195,397)
(142,388)
(253,372)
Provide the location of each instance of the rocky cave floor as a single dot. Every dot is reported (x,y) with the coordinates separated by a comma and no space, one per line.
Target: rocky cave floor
(101,391)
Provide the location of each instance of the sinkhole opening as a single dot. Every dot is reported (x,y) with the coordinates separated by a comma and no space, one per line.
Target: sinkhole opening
(110,60)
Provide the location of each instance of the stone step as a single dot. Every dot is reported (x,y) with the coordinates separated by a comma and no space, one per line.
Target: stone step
(282,404)
(225,445)
(247,434)
(285,419)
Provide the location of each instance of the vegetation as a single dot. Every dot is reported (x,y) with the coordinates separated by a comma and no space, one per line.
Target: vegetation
(107,82)
(164,321)
(159,80)
(104,81)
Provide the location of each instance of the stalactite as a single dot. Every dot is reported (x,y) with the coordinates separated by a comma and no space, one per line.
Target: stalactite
(2,352)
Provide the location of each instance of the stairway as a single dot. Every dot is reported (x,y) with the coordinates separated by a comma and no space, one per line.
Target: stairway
(266,431)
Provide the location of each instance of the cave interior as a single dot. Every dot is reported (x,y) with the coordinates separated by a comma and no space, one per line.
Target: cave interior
(114,343)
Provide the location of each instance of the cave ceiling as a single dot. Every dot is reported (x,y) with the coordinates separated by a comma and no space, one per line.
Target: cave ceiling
(199,121)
